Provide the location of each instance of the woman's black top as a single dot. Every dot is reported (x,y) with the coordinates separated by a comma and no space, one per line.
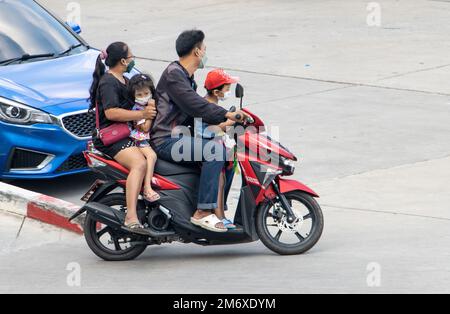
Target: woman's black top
(111,93)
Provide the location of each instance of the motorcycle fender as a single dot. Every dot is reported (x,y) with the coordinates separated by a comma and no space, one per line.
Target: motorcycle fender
(102,190)
(292,185)
(98,190)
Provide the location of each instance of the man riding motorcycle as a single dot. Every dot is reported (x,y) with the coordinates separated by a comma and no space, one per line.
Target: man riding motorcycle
(178,104)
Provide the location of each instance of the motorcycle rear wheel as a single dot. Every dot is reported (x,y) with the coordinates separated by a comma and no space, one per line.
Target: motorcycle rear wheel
(271,219)
(122,247)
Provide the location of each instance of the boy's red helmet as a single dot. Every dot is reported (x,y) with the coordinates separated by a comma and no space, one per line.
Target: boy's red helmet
(219,77)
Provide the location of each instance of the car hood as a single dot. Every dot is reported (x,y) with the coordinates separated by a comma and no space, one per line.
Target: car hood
(56,86)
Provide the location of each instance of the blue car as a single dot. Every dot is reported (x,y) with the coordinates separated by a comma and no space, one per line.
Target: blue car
(45,74)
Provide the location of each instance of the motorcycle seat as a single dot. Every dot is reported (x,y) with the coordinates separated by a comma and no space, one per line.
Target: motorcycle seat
(162,167)
(165,168)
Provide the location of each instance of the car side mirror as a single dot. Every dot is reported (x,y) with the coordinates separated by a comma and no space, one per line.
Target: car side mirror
(75,27)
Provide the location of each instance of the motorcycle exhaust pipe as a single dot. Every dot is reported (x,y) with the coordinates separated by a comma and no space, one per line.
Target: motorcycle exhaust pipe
(106,215)
(115,218)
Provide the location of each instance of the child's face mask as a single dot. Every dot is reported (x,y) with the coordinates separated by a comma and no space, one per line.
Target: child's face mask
(226,95)
(143,101)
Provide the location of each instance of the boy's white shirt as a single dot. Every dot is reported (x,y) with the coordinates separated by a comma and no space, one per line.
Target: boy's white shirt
(228,141)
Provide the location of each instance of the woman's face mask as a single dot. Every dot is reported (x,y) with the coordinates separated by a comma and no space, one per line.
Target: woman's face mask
(130,66)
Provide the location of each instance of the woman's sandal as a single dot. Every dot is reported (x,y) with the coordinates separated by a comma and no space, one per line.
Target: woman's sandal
(228,224)
(209,223)
(136,228)
(152,196)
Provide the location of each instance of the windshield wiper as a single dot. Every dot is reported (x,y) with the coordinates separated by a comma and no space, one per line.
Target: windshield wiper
(27,57)
(74,46)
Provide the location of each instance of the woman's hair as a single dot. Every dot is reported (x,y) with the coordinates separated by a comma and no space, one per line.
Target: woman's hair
(138,82)
(113,54)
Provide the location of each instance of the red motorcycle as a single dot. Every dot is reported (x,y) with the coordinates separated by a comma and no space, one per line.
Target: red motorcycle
(282,213)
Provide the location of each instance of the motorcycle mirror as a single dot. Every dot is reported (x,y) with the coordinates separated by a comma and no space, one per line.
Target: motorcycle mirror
(239,91)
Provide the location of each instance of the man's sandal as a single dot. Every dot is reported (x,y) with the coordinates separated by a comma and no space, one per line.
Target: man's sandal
(209,223)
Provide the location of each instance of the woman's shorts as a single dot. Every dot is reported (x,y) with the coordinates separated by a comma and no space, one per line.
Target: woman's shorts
(115,148)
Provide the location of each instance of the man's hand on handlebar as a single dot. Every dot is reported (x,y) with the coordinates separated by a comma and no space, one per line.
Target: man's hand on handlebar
(239,116)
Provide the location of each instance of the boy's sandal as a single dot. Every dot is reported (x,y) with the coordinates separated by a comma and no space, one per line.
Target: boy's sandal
(228,224)
(209,223)
(152,197)
(136,228)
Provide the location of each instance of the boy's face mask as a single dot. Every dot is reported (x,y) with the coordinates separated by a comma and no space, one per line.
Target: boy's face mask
(226,95)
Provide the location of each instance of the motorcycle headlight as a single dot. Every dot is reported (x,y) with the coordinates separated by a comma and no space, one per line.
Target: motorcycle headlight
(16,113)
(288,166)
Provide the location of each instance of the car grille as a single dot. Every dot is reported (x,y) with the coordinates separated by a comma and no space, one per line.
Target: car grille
(74,162)
(80,125)
(25,159)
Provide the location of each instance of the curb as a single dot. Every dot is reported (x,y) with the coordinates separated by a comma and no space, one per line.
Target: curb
(40,207)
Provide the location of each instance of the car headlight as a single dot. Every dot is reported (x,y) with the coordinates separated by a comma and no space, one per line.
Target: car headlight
(16,113)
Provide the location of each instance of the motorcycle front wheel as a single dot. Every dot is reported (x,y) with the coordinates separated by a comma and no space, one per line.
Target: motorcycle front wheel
(286,238)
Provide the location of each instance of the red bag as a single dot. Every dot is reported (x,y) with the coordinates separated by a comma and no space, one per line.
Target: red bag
(113,133)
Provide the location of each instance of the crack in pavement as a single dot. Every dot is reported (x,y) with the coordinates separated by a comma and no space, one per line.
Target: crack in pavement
(350,84)
(389,212)
(301,95)
(21,227)
(413,72)
(382,169)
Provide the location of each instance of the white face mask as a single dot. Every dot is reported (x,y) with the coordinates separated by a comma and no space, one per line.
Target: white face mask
(226,96)
(143,101)
(203,61)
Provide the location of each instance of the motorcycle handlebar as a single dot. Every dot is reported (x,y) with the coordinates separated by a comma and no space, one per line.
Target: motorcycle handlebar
(249,120)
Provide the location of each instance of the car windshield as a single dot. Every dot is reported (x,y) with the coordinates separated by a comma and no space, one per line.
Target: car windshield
(27,29)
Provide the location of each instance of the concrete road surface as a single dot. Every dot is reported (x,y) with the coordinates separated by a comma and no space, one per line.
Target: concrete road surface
(366,107)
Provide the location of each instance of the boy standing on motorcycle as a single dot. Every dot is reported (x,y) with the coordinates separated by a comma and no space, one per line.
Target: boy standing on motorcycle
(218,86)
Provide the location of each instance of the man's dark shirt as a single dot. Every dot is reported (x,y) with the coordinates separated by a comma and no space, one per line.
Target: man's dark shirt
(178,103)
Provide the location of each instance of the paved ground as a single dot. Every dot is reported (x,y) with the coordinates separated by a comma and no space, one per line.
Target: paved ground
(367,108)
